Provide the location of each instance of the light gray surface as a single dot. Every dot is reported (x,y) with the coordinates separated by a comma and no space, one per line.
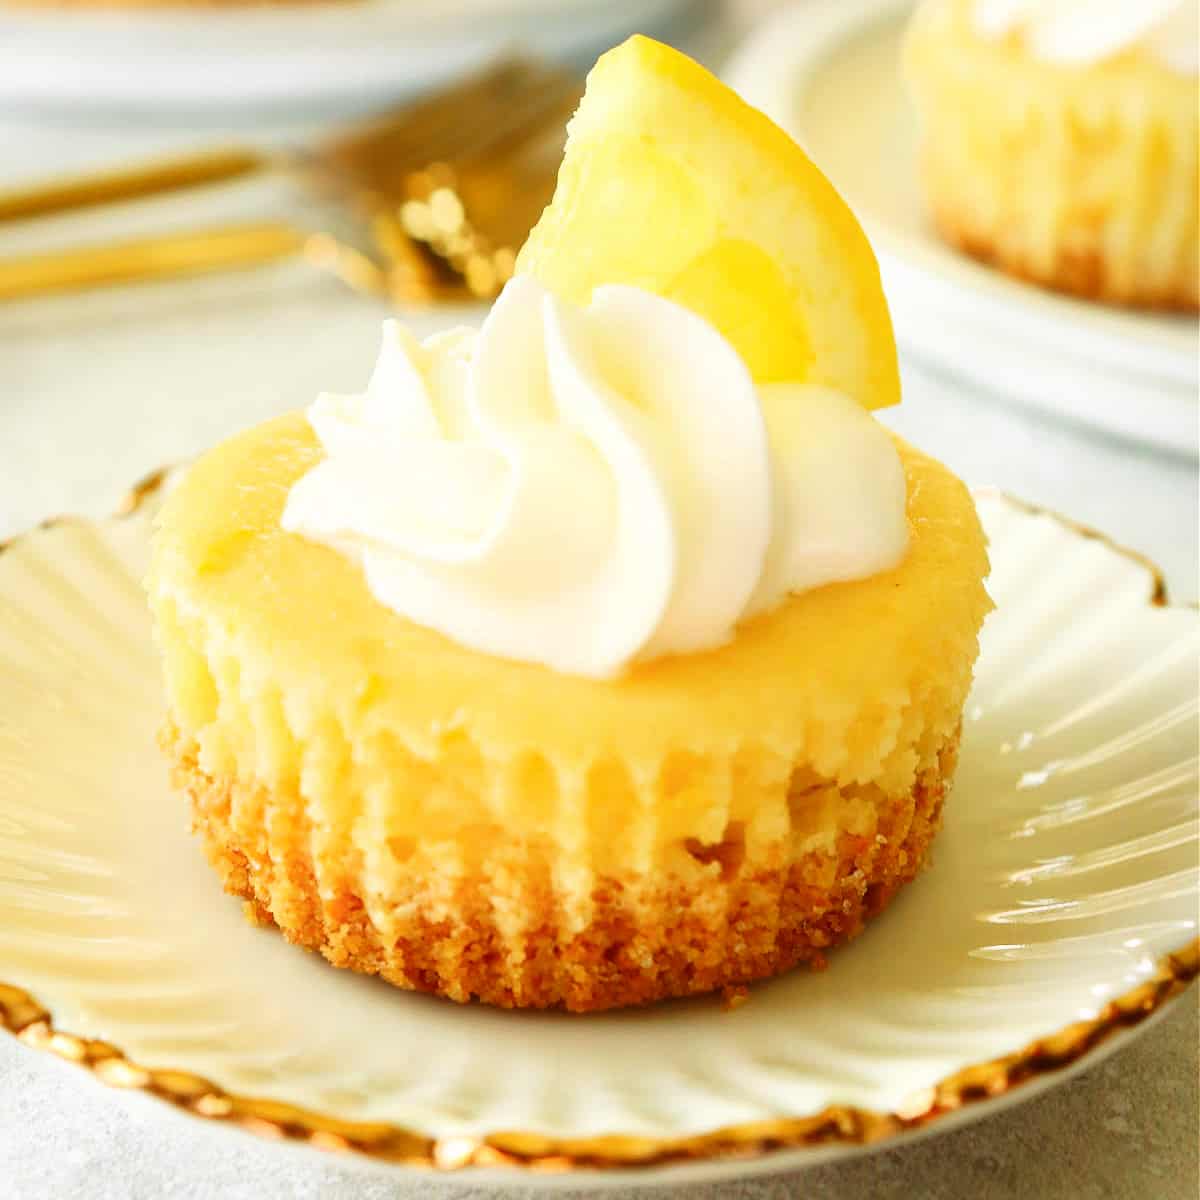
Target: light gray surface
(96,390)
(1125,1130)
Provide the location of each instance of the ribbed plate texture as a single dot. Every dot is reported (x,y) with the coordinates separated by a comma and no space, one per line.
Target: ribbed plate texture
(1067,866)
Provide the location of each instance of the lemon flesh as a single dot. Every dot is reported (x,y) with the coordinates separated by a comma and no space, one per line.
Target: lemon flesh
(672,183)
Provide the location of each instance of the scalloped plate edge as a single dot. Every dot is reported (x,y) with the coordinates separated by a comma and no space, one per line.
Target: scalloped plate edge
(762,1143)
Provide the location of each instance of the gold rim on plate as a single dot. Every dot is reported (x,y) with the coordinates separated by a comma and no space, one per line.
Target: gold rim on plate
(22,1015)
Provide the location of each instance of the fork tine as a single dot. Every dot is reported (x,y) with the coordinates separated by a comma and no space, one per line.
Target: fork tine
(531,115)
(527,146)
(538,87)
(438,127)
(474,220)
(436,110)
(504,198)
(536,113)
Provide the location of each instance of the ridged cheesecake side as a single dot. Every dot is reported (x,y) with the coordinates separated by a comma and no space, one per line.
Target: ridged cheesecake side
(488,922)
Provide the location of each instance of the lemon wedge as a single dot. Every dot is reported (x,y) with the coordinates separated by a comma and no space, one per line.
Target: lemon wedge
(672,183)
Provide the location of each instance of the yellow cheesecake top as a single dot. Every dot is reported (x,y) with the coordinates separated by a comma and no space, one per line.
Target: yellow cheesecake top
(831,675)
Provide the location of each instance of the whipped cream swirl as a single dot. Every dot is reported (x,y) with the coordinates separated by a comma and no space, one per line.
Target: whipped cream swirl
(587,488)
(1089,31)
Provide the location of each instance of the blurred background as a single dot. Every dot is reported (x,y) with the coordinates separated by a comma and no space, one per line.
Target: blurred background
(206,210)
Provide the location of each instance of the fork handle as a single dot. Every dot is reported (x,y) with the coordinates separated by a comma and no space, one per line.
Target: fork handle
(131,183)
(149,258)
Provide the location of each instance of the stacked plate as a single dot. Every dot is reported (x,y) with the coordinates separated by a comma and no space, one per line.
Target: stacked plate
(828,71)
(337,55)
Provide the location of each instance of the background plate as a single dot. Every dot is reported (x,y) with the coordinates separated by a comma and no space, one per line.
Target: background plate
(1066,868)
(828,71)
(335,57)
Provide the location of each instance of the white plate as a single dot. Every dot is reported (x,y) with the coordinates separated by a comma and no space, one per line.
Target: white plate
(828,72)
(1066,870)
(336,56)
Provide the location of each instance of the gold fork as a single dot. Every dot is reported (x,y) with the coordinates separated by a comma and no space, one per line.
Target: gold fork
(440,196)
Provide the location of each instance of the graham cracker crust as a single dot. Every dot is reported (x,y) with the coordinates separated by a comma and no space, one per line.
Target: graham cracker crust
(1075,272)
(645,940)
